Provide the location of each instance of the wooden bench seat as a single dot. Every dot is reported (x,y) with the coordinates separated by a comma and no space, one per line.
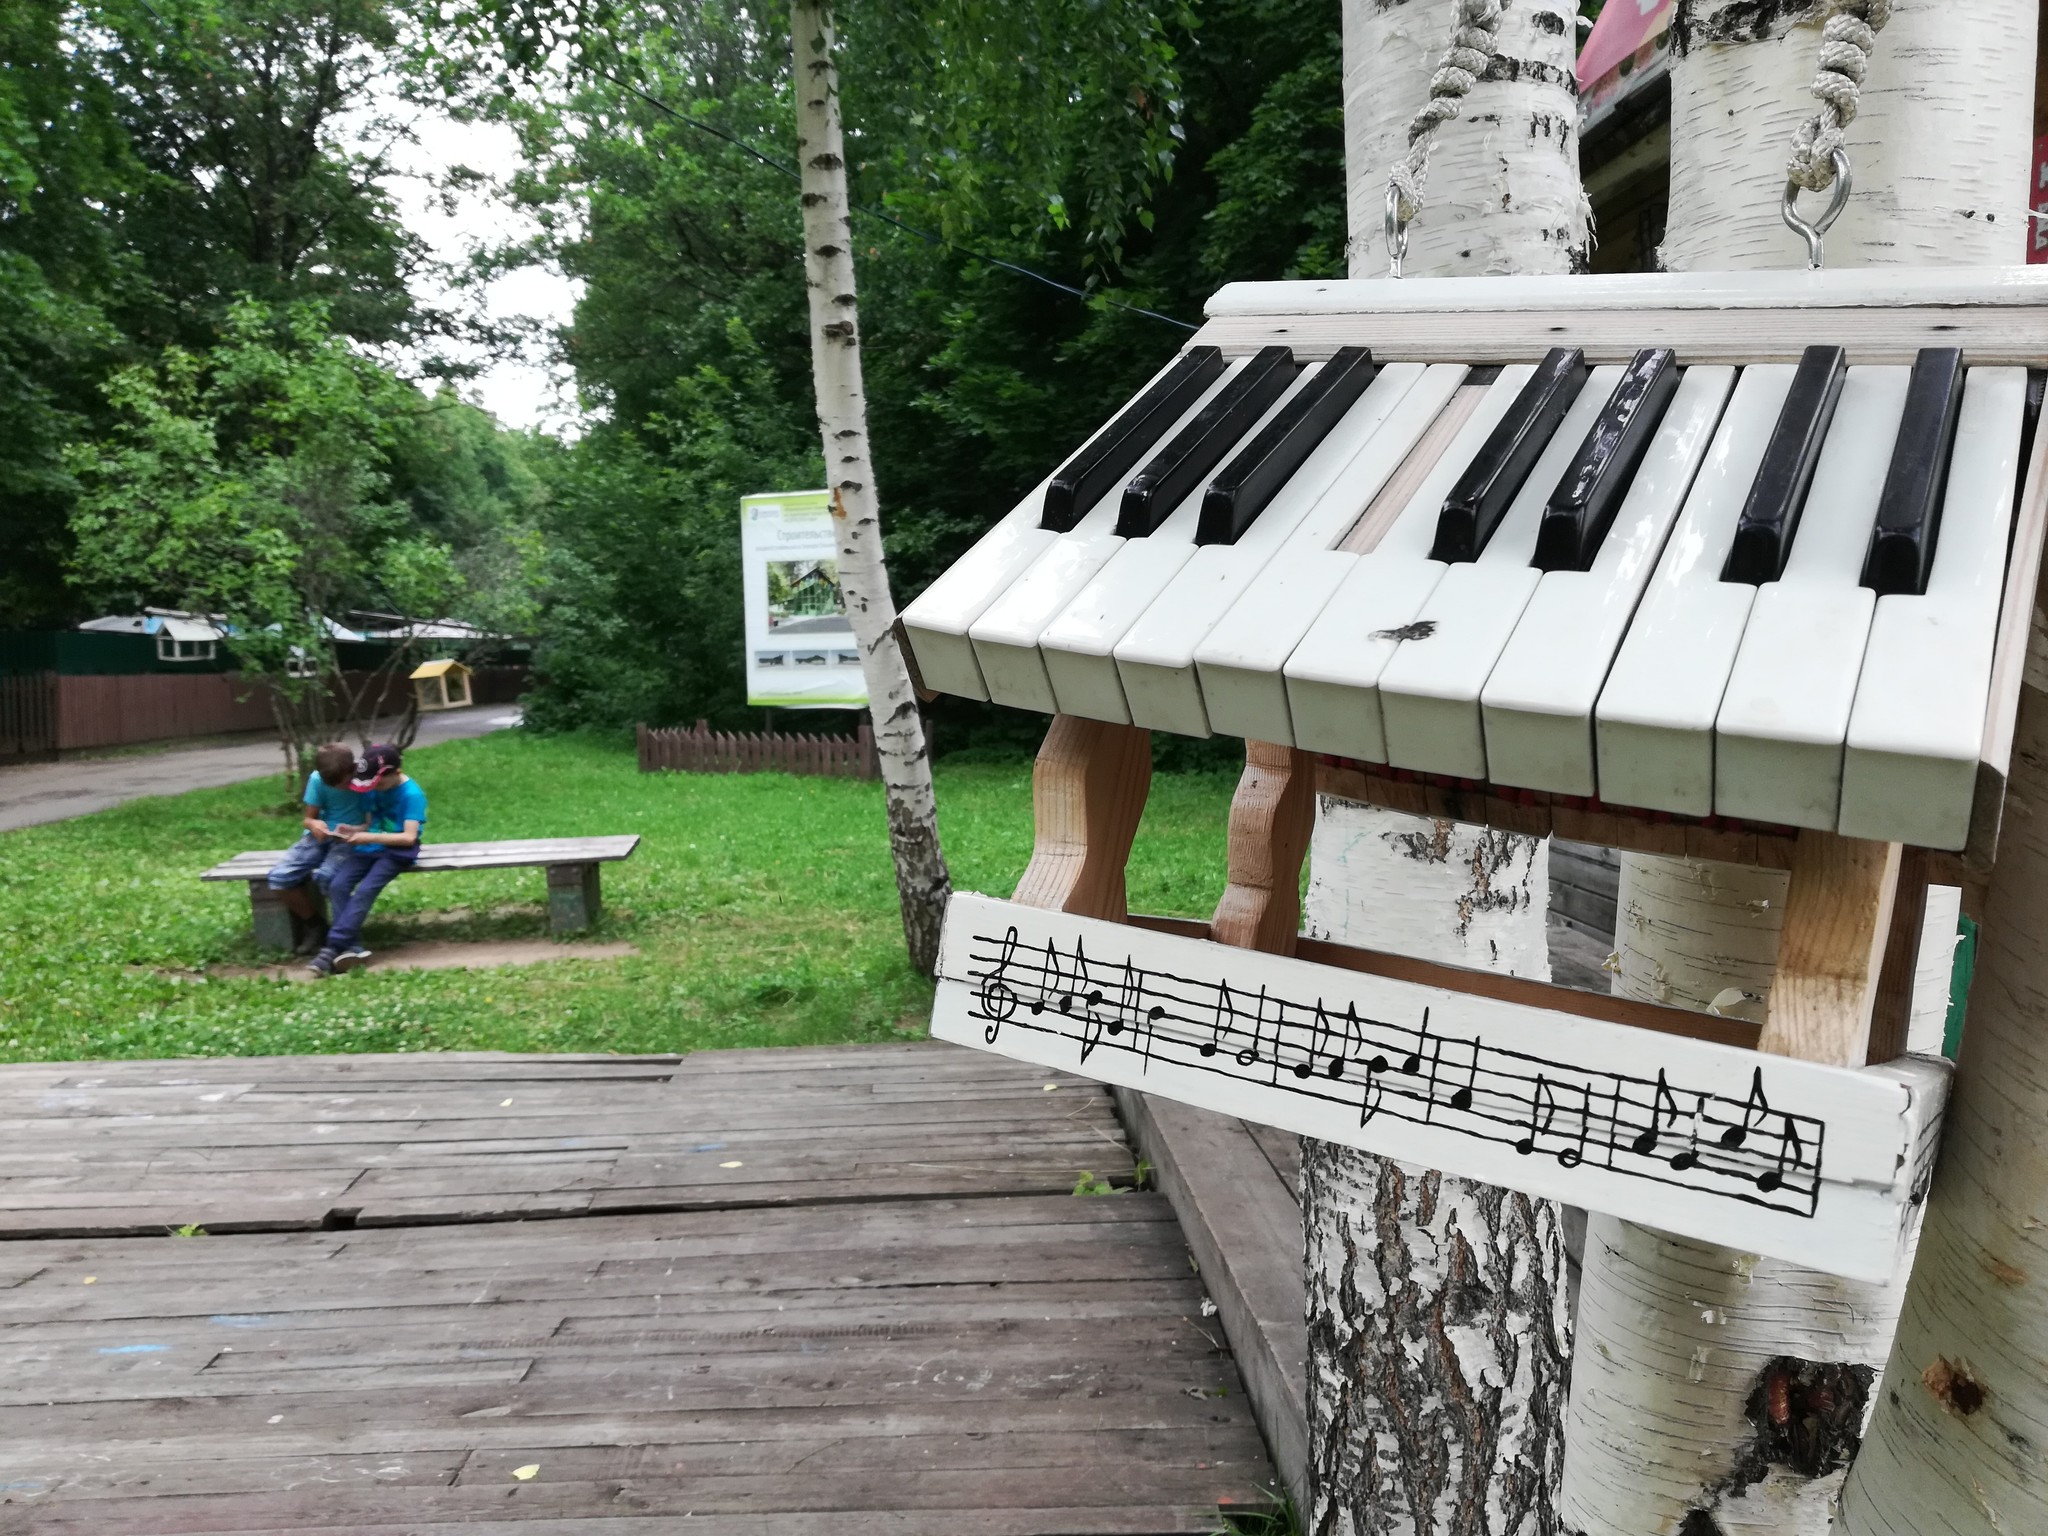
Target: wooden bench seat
(572,864)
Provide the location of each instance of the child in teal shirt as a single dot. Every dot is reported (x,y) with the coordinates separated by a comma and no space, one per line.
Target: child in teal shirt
(376,857)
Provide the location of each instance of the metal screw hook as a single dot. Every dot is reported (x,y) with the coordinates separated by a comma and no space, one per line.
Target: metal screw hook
(1397,232)
(1815,233)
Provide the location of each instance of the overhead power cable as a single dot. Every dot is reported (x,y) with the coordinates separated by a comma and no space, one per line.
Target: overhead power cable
(927,236)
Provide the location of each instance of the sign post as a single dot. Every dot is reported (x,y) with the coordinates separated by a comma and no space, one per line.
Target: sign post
(801,652)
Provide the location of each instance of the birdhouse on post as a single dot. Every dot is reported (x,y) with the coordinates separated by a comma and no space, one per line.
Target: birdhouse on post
(441,685)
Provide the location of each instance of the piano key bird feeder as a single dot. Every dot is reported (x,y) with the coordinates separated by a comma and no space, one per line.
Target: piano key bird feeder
(1737,567)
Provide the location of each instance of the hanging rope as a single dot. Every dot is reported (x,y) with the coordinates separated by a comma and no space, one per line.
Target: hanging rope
(1473,45)
(1846,40)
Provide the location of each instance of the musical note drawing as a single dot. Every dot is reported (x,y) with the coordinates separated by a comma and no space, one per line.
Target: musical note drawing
(1790,1149)
(1646,1143)
(997,998)
(1543,1111)
(1334,1062)
(1743,1147)
(1690,1157)
(1756,1104)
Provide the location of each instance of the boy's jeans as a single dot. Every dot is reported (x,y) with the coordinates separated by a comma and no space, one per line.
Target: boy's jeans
(355,886)
(310,858)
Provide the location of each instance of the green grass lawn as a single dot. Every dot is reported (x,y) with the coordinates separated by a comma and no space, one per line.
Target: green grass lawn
(763,907)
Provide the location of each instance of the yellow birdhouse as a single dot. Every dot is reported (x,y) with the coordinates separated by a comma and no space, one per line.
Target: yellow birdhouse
(441,685)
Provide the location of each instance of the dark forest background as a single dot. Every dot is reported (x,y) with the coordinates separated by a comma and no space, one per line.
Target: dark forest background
(204,283)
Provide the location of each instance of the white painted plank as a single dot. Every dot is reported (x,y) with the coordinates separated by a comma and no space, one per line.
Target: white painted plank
(1910,773)
(1243,663)
(1005,636)
(1539,699)
(1841,288)
(1655,719)
(1624,1121)
(1430,690)
(937,622)
(1155,660)
(1779,736)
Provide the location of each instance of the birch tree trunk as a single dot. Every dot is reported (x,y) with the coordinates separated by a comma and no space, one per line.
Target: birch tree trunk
(922,883)
(1956,1442)
(1683,1347)
(1438,1326)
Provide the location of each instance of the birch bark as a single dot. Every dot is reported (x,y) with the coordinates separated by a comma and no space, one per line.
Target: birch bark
(1956,1442)
(922,882)
(1438,1326)
(1683,1348)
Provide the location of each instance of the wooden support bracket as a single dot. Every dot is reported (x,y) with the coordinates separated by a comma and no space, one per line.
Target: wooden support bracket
(1838,923)
(1088,790)
(1271,817)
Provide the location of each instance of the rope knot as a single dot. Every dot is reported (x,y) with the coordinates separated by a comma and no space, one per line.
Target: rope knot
(1847,38)
(1472,48)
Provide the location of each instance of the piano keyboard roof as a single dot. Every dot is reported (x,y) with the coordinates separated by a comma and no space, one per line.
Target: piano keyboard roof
(1727,545)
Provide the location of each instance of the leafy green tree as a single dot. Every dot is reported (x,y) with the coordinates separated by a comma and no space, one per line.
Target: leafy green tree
(254,481)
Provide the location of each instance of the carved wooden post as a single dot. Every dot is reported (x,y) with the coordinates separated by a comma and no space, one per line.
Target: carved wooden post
(1271,818)
(1088,790)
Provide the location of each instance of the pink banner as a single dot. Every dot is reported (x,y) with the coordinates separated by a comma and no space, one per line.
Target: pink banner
(1624,28)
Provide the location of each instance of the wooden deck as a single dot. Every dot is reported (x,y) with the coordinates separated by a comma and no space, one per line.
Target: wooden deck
(831,1292)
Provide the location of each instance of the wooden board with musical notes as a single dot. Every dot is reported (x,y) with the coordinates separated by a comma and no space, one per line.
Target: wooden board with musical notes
(1814,1164)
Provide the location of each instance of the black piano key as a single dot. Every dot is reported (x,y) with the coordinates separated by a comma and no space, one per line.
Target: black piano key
(1909,511)
(1200,446)
(1582,508)
(1098,468)
(1770,517)
(1244,486)
(1492,481)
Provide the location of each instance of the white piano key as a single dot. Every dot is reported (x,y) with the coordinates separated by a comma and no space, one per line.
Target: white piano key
(1005,636)
(1155,660)
(1910,773)
(1078,645)
(1538,704)
(1779,737)
(1654,724)
(1243,662)
(1333,673)
(937,622)
(1429,691)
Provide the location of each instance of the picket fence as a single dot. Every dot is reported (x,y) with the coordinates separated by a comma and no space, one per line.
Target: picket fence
(699,749)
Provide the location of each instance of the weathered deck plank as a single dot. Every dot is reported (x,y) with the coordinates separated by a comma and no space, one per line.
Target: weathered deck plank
(892,1315)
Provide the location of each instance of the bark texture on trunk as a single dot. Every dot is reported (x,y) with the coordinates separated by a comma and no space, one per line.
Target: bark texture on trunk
(1956,1444)
(1715,1391)
(1438,1325)
(922,883)
(1945,130)
(1503,194)
(1685,1348)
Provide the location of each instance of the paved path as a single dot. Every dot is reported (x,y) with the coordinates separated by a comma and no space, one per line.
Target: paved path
(39,792)
(825,1292)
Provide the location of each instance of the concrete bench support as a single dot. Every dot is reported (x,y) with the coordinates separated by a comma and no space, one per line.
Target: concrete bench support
(272,919)
(574,896)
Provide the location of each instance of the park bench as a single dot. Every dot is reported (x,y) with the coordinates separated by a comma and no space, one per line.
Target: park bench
(572,864)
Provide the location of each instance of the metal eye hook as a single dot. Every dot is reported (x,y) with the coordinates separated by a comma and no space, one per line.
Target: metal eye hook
(1815,233)
(1397,232)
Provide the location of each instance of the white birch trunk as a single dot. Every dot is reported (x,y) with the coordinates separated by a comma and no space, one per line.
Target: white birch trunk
(922,882)
(1944,135)
(1962,1413)
(1438,1326)
(1682,1348)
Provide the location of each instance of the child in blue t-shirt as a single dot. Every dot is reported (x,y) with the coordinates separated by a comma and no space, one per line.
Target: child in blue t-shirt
(331,808)
(376,857)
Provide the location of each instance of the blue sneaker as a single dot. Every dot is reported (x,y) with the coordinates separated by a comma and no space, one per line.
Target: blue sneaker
(321,964)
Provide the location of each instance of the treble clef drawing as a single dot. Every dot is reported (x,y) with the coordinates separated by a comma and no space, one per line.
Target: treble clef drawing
(995,997)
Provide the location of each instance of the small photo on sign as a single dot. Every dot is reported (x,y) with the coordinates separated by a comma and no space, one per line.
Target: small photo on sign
(799,646)
(803,596)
